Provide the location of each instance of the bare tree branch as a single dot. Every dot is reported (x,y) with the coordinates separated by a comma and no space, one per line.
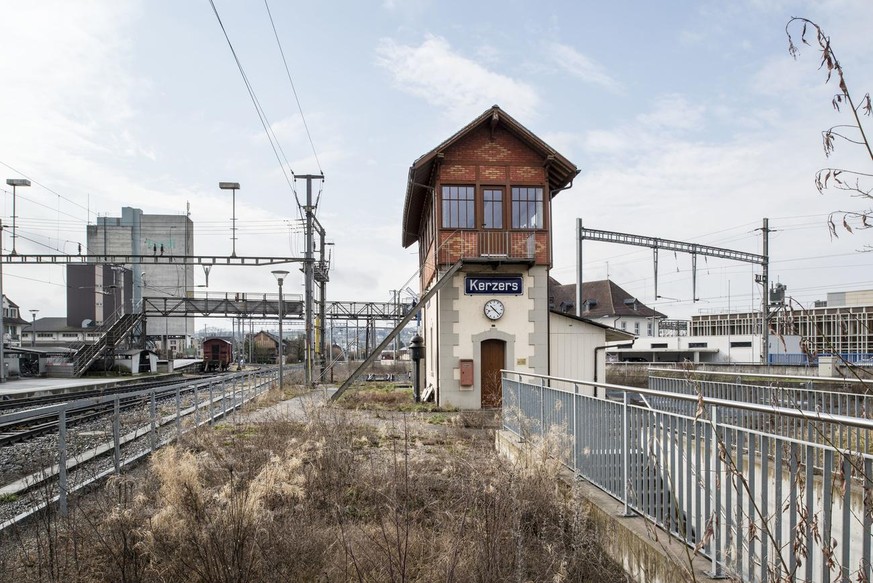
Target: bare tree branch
(854,181)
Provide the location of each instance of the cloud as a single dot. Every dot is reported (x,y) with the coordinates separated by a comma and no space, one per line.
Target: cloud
(460,86)
(673,112)
(582,67)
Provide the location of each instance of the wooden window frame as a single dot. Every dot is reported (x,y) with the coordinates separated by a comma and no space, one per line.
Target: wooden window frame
(541,202)
(442,206)
(482,204)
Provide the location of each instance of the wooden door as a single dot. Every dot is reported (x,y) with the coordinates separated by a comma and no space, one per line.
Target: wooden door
(493,360)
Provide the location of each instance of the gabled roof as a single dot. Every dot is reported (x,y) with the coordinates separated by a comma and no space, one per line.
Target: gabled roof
(269,335)
(421,174)
(599,299)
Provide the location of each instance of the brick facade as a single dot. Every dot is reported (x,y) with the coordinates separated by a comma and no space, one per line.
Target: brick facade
(483,158)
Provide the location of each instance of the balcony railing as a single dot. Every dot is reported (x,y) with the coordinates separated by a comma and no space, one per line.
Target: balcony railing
(530,245)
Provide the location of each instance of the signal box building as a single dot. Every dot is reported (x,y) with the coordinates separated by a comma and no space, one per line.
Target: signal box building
(479,206)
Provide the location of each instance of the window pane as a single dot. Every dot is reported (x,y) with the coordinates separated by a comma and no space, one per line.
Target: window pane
(527,208)
(493,207)
(457,207)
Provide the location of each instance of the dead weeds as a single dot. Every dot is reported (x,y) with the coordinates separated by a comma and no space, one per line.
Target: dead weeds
(346,495)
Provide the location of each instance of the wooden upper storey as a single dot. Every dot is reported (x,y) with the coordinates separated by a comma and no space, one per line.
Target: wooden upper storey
(484,193)
(493,150)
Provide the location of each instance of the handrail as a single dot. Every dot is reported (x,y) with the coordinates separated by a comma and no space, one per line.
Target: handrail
(765,375)
(758,408)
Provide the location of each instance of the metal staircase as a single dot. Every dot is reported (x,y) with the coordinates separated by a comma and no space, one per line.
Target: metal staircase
(110,337)
(445,279)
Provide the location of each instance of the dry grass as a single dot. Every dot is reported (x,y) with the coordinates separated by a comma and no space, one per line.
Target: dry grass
(383,396)
(331,499)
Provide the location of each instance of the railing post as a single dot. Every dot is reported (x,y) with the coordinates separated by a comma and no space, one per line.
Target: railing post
(625,452)
(575,425)
(178,412)
(211,414)
(223,399)
(197,404)
(153,413)
(542,407)
(116,434)
(717,554)
(62,462)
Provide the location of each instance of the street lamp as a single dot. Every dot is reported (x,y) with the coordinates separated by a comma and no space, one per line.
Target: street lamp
(14,182)
(280,275)
(33,313)
(234,186)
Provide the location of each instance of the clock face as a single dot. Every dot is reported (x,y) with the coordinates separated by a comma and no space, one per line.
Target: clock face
(493,309)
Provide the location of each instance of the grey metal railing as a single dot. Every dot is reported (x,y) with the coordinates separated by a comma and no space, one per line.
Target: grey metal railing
(804,395)
(760,506)
(211,400)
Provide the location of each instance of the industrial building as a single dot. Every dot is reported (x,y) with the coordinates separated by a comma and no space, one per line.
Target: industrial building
(136,233)
(842,325)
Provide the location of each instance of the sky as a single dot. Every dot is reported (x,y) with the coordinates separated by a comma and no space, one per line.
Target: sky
(689,122)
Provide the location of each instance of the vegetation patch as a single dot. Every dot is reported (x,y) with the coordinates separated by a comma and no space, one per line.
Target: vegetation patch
(329,499)
(385,397)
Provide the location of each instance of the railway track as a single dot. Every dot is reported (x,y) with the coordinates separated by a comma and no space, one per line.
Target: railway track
(62,447)
(85,408)
(12,402)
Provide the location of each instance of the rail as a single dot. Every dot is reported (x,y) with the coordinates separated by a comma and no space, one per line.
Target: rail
(760,506)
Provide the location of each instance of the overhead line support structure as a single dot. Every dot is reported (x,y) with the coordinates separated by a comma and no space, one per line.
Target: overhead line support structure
(309,272)
(321,275)
(208,260)
(694,249)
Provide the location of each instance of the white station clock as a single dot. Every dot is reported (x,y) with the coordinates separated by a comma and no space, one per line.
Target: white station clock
(494,309)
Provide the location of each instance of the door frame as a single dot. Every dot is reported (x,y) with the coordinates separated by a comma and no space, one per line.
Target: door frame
(508,353)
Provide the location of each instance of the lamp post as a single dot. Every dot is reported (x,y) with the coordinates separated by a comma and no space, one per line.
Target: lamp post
(33,314)
(14,182)
(234,186)
(280,275)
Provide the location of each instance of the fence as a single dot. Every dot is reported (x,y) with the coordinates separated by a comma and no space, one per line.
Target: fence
(801,395)
(209,401)
(760,506)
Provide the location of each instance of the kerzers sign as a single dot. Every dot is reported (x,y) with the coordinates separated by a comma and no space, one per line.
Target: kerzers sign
(493,285)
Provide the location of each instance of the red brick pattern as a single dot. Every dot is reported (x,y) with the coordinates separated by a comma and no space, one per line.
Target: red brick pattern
(459,173)
(527,175)
(492,174)
(493,158)
(458,245)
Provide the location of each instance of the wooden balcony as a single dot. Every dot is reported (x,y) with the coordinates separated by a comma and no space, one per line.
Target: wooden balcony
(523,246)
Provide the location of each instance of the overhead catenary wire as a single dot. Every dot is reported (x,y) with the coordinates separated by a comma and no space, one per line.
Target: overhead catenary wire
(274,142)
(294,90)
(49,189)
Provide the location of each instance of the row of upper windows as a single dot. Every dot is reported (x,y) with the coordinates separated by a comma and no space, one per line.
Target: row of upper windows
(460,207)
